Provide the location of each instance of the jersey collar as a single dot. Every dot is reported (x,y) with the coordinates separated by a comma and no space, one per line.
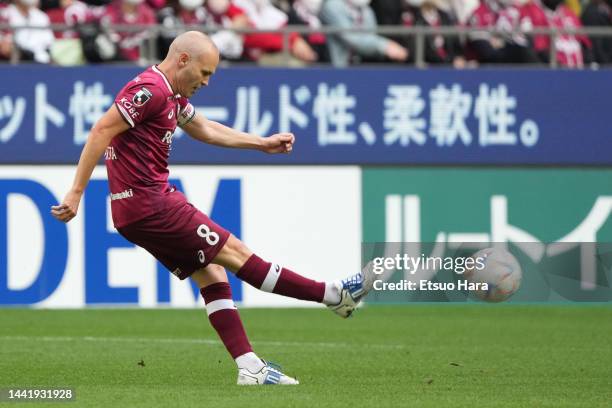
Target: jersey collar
(157,70)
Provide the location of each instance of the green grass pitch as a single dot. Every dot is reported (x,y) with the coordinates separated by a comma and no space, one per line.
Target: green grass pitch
(385,356)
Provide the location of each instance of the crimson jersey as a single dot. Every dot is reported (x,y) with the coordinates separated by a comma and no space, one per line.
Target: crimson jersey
(569,49)
(137,159)
(129,41)
(534,16)
(482,17)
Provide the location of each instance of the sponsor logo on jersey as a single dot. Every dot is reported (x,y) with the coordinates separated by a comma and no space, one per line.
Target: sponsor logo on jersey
(167,139)
(141,97)
(124,194)
(131,110)
(109,153)
(171,114)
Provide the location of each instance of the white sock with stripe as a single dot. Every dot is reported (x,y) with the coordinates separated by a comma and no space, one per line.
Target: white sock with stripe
(250,361)
(225,319)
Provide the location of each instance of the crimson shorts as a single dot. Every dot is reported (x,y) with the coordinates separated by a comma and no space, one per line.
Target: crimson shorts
(182,237)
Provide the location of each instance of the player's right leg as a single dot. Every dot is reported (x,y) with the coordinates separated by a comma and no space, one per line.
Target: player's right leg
(223,315)
(342,297)
(185,241)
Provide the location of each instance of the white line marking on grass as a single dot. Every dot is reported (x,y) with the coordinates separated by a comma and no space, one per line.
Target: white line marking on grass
(210,342)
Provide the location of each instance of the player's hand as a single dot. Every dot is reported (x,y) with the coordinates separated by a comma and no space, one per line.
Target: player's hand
(278,143)
(67,210)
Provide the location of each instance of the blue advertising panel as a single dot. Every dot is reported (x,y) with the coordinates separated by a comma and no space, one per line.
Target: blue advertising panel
(353,116)
(89,283)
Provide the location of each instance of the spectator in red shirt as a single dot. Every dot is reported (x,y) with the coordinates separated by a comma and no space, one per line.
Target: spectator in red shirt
(156,4)
(509,48)
(573,51)
(213,14)
(532,15)
(225,13)
(129,12)
(263,15)
(72,13)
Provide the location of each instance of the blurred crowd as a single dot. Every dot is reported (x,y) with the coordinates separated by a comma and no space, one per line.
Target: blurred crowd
(501,30)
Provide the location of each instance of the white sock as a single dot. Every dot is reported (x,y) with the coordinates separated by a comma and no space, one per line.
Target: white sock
(332,294)
(250,361)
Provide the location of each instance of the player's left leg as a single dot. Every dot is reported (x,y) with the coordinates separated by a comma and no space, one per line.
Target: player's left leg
(192,240)
(340,296)
(270,277)
(223,315)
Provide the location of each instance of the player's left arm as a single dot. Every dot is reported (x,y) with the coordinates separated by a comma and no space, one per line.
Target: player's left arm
(215,133)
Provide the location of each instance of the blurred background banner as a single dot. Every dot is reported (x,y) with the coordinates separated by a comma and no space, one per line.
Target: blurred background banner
(359,116)
(486,205)
(556,222)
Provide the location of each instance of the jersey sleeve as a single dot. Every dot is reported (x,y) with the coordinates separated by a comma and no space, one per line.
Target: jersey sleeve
(138,101)
(187,112)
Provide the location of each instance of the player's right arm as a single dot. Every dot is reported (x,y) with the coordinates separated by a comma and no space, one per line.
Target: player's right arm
(110,125)
(215,133)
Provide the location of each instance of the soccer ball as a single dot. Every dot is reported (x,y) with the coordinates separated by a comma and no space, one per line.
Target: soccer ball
(499,269)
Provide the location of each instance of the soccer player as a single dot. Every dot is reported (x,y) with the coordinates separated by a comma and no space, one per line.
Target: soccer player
(135,135)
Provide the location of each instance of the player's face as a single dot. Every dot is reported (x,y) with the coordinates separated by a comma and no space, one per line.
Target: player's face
(197,73)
